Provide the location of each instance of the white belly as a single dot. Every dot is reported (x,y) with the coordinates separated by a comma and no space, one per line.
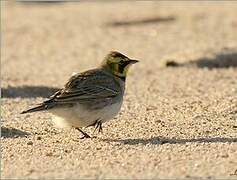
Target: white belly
(77,116)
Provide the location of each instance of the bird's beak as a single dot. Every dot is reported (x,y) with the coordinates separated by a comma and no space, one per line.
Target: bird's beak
(133,61)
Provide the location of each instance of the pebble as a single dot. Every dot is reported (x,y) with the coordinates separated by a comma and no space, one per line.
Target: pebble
(30,143)
(49,154)
(39,138)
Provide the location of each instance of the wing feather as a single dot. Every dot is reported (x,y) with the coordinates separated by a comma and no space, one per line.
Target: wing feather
(89,86)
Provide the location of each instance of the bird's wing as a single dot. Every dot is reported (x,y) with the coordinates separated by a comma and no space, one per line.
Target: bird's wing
(93,84)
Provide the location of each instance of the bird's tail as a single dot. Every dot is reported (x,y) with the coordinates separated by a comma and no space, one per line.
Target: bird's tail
(41,107)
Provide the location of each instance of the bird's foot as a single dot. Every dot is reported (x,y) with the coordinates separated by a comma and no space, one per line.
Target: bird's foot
(85,137)
(85,134)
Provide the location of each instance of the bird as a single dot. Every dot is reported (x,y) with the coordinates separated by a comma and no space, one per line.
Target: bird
(90,98)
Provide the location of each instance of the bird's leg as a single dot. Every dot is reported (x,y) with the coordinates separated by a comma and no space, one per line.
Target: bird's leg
(100,128)
(85,134)
(92,124)
(98,125)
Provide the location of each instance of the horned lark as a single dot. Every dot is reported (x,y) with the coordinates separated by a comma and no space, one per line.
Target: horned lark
(90,98)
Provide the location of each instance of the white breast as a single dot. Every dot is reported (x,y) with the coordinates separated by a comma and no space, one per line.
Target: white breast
(77,116)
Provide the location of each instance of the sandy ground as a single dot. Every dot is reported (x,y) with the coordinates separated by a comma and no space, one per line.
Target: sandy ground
(179,119)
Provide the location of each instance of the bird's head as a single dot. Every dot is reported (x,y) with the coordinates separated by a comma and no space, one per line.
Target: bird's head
(117,64)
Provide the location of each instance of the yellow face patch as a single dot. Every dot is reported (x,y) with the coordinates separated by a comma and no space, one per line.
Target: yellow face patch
(120,70)
(117,63)
(119,66)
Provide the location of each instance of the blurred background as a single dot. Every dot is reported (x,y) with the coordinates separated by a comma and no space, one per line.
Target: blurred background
(54,39)
(179,113)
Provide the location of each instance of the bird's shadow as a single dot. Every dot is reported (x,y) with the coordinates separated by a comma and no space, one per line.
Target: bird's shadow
(159,140)
(220,60)
(144,21)
(13,133)
(28,91)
